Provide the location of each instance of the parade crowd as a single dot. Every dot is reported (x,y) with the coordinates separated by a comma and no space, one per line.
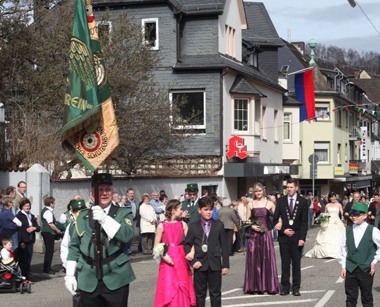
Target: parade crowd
(193,237)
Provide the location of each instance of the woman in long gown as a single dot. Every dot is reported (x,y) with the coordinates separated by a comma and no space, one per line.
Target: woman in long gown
(260,268)
(174,282)
(331,233)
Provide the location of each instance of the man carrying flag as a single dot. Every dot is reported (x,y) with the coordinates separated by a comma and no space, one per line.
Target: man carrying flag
(89,130)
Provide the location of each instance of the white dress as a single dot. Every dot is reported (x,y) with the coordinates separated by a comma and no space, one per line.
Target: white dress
(329,237)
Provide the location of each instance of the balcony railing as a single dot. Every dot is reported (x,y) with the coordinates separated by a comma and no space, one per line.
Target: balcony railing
(355,132)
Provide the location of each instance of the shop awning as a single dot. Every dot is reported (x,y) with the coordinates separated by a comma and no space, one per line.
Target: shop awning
(363,184)
(251,169)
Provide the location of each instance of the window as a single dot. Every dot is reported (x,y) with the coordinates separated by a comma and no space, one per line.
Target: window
(230,36)
(241,115)
(192,109)
(338,116)
(287,125)
(104,29)
(253,59)
(275,125)
(321,149)
(284,69)
(150,32)
(265,134)
(346,119)
(257,118)
(339,160)
(345,153)
(322,109)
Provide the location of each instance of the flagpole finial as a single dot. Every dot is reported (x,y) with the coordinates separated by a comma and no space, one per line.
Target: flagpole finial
(312,45)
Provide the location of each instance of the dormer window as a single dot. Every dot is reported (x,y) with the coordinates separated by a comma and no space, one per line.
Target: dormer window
(284,69)
(150,32)
(253,59)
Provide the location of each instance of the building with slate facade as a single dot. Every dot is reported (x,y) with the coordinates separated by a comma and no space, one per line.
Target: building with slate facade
(222,55)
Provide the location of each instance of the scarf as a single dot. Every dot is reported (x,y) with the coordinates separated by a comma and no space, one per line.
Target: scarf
(29,216)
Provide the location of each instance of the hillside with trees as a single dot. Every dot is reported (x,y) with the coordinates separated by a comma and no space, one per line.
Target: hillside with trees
(347,60)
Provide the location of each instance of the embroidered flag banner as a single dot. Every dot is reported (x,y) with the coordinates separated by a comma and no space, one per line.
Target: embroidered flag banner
(89,123)
(304,89)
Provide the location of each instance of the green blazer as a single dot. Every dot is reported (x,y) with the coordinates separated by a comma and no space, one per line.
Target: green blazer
(193,211)
(121,271)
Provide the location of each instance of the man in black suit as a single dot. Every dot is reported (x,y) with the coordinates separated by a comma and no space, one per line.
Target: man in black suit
(211,259)
(293,210)
(347,209)
(373,208)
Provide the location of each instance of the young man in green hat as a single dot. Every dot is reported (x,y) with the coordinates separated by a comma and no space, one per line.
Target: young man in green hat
(190,206)
(112,288)
(358,254)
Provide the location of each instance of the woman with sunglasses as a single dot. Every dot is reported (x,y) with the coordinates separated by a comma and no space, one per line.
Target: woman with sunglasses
(331,233)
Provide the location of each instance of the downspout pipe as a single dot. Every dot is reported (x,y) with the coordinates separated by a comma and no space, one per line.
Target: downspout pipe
(221,121)
(179,19)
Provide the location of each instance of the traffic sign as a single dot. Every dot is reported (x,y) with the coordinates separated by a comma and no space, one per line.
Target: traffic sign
(316,158)
(313,169)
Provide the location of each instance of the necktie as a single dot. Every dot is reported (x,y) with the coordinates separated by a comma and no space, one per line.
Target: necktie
(207,229)
(192,203)
(291,206)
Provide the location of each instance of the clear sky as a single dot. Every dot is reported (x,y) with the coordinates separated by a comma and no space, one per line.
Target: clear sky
(331,22)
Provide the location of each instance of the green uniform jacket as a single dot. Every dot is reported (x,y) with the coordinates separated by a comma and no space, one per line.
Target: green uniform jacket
(121,271)
(193,211)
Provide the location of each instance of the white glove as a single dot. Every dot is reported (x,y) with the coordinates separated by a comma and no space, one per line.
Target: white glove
(70,280)
(98,214)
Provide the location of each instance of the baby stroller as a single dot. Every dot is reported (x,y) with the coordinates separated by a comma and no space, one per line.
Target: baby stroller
(10,278)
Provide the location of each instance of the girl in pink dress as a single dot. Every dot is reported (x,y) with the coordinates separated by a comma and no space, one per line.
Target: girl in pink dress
(174,283)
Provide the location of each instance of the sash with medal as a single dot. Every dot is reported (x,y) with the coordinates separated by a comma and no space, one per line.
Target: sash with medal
(291,221)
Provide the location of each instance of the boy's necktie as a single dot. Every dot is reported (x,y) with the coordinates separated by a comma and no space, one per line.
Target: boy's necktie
(207,229)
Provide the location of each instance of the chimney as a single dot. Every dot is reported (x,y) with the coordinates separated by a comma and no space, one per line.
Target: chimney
(300,46)
(357,74)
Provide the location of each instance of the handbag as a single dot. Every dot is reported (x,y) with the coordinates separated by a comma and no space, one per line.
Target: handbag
(247,233)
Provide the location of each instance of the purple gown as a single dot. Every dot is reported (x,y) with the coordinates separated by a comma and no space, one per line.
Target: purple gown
(260,268)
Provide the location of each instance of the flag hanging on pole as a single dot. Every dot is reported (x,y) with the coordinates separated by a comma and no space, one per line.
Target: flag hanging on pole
(304,89)
(89,127)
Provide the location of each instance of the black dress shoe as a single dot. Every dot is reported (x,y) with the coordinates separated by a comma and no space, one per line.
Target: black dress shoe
(284,292)
(132,254)
(51,272)
(296,293)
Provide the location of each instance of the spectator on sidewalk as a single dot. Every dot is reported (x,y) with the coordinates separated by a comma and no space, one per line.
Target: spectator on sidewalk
(21,193)
(148,228)
(131,203)
(228,217)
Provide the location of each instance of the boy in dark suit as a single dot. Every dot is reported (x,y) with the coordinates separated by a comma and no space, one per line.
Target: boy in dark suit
(210,242)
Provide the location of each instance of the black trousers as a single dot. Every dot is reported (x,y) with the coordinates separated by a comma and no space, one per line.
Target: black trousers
(355,281)
(291,253)
(212,279)
(230,239)
(49,239)
(25,256)
(236,246)
(103,297)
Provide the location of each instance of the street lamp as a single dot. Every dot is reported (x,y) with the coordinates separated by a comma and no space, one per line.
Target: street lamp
(352,3)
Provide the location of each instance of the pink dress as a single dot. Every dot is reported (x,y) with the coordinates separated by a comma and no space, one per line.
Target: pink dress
(174,283)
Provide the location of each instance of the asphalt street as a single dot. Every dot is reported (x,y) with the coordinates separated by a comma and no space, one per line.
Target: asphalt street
(321,284)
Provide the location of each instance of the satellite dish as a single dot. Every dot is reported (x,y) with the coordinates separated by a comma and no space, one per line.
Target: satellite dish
(352,3)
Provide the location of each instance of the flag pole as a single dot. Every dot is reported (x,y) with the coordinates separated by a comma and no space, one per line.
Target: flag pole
(99,268)
(302,70)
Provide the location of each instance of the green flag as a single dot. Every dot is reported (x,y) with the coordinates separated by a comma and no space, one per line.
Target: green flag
(89,123)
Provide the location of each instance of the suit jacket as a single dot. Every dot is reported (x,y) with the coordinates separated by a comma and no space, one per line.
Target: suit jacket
(193,211)
(377,219)
(121,271)
(228,217)
(348,209)
(23,235)
(216,256)
(300,224)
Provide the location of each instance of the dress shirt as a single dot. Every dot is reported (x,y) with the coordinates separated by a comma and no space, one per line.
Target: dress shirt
(192,203)
(156,204)
(48,215)
(359,231)
(204,223)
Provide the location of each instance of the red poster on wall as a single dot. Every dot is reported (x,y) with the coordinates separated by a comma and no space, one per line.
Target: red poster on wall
(237,148)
